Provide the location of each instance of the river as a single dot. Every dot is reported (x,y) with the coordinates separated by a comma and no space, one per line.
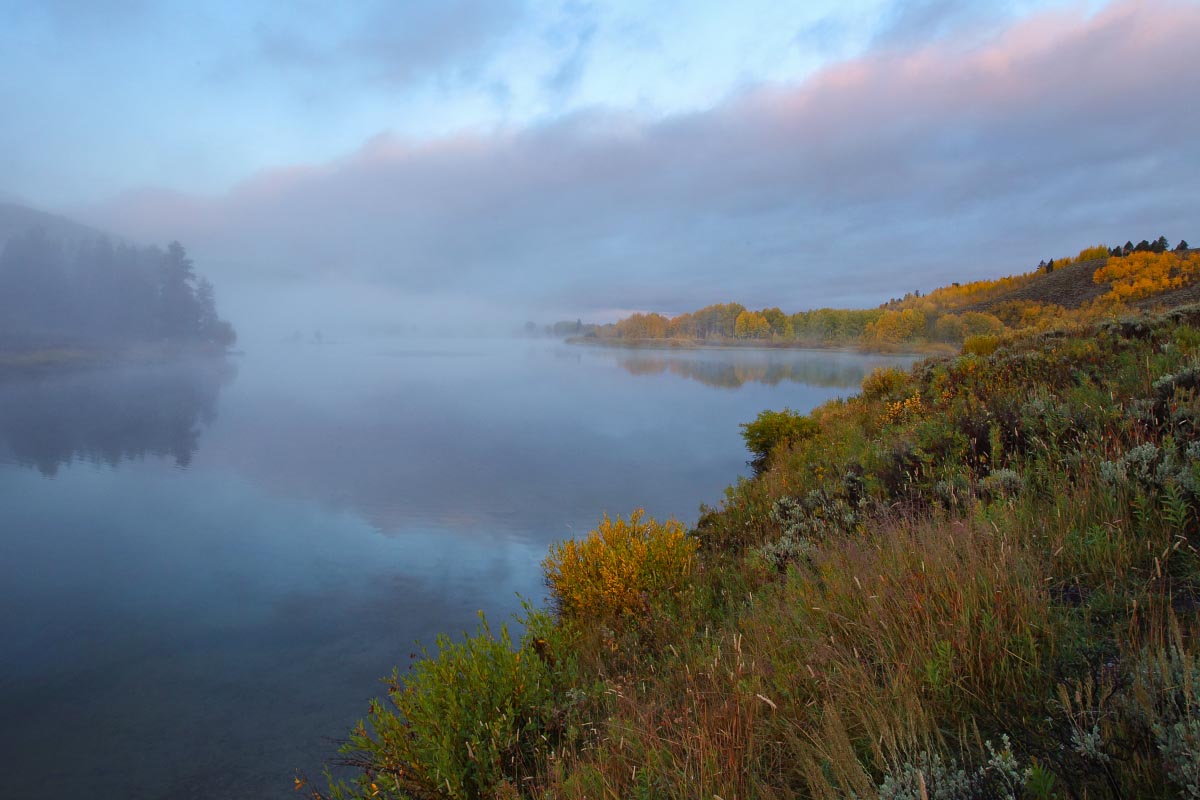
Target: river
(207,567)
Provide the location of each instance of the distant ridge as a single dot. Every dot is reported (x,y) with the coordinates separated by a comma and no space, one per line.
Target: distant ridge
(17,219)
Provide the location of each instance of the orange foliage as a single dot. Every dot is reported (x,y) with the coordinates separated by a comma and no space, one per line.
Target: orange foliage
(1139,275)
(643,326)
(955,296)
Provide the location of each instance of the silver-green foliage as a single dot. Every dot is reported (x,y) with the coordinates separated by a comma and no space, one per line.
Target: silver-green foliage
(1155,467)
(1002,482)
(930,777)
(805,521)
(1169,697)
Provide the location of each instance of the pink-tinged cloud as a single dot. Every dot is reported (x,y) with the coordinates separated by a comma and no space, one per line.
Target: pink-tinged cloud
(894,171)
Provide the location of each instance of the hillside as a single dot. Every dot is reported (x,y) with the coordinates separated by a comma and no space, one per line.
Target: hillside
(1172,299)
(1070,287)
(1099,282)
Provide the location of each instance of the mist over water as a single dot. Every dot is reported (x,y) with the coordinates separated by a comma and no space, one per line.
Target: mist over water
(207,566)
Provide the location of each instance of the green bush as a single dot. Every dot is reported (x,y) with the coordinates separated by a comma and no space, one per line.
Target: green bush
(771,429)
(468,721)
(883,383)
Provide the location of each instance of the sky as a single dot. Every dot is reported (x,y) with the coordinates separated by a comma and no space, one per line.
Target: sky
(562,158)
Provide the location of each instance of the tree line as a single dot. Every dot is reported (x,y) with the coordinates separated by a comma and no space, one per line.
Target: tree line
(947,315)
(1158,246)
(97,293)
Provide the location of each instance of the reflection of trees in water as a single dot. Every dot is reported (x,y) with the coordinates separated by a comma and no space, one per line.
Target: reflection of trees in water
(832,370)
(110,415)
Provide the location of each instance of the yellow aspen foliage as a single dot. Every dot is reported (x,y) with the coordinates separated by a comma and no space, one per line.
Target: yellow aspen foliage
(894,327)
(1093,253)
(751,325)
(643,326)
(1140,275)
(620,568)
(955,296)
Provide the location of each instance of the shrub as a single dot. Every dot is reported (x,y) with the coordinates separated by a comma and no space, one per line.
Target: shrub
(930,777)
(1187,378)
(981,344)
(815,516)
(1002,483)
(804,523)
(883,382)
(467,721)
(908,407)
(771,429)
(1168,692)
(621,568)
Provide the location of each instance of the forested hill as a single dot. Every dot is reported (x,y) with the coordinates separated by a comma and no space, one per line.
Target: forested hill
(1098,282)
(64,285)
(17,219)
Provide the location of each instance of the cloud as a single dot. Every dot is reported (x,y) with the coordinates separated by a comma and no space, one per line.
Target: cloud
(451,37)
(909,23)
(86,18)
(826,35)
(385,45)
(897,170)
(575,35)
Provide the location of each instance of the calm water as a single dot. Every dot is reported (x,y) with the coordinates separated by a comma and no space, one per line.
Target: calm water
(206,568)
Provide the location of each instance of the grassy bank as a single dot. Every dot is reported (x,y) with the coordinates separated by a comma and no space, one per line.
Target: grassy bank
(976,579)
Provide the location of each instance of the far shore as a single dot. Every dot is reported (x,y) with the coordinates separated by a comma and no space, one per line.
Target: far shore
(930,349)
(51,359)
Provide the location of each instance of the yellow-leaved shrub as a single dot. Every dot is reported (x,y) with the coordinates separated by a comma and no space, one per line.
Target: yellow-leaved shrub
(620,568)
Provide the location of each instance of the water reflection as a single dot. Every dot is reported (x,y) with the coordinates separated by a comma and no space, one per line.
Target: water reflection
(108,415)
(346,503)
(733,369)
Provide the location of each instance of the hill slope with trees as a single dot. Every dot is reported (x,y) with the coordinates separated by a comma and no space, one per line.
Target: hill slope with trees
(1098,282)
(67,289)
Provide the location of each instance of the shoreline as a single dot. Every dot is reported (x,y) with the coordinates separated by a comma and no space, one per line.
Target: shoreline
(697,344)
(43,360)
